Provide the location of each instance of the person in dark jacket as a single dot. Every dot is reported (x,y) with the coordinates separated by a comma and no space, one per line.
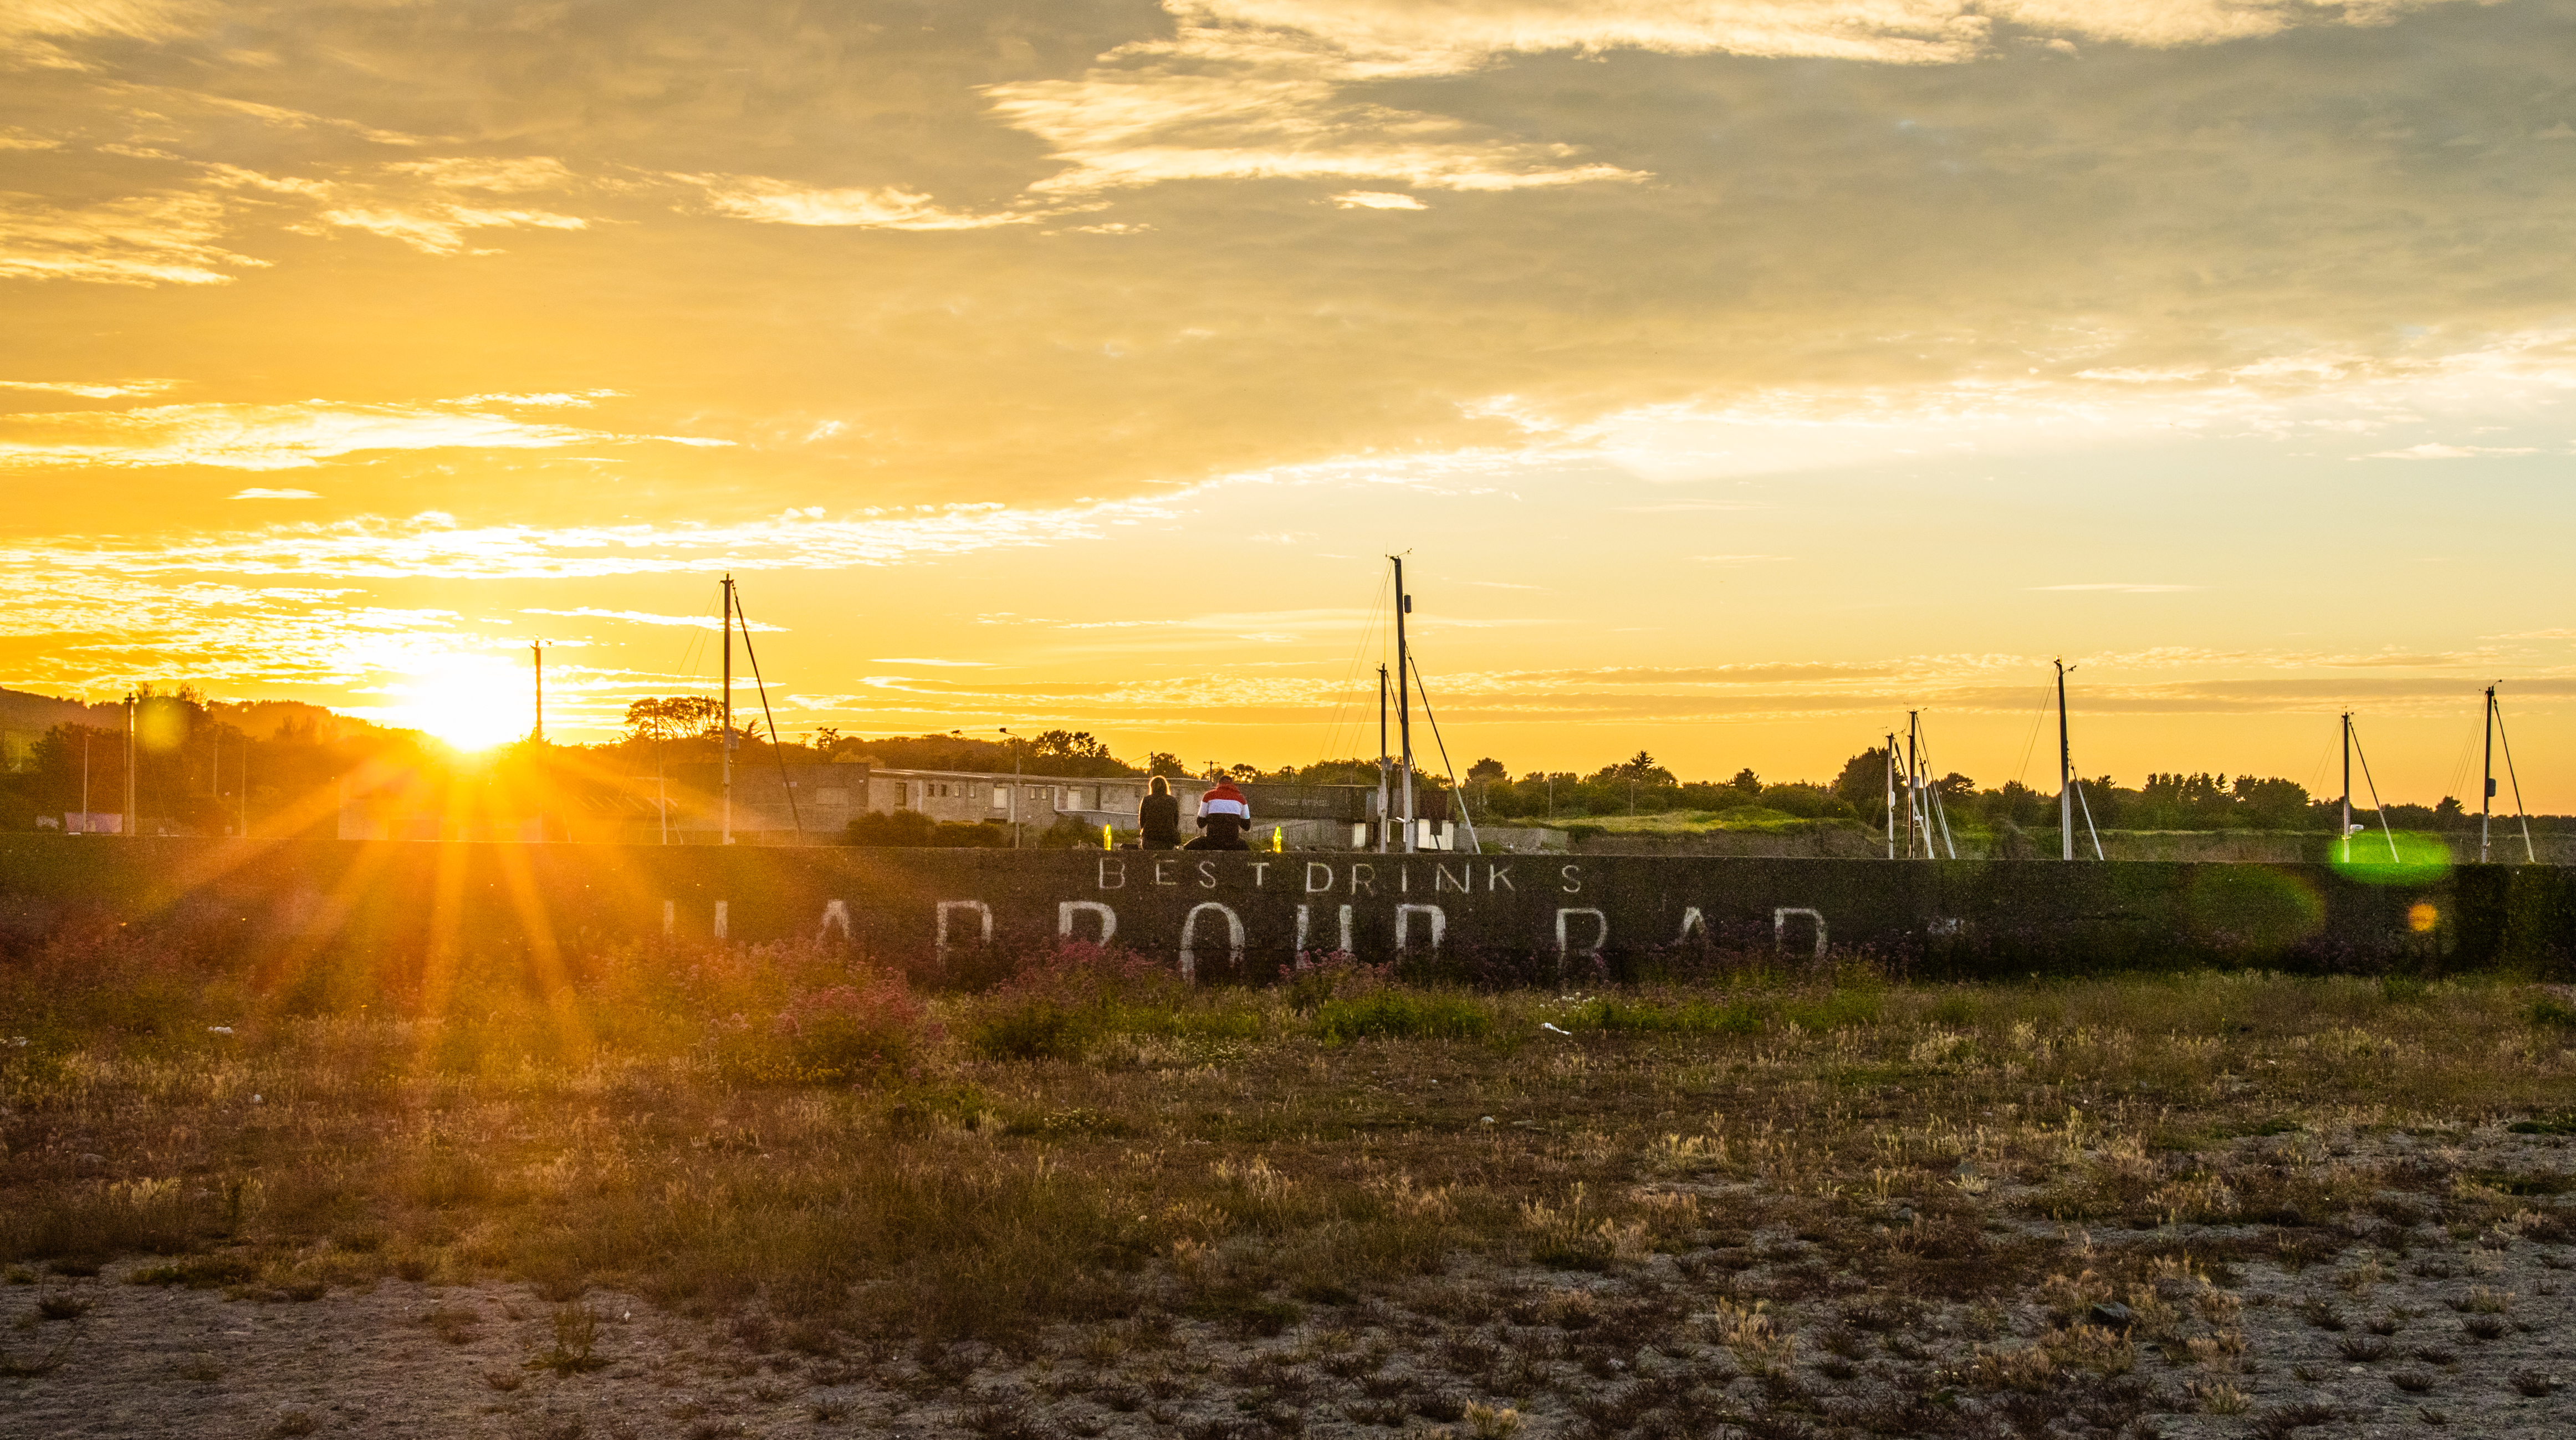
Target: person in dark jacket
(1159,816)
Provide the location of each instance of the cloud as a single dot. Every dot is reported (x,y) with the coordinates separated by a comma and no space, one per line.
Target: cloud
(432,222)
(646,617)
(924,660)
(2118,586)
(156,239)
(508,175)
(2434,451)
(274,437)
(782,202)
(257,492)
(438,228)
(434,546)
(545,400)
(1377,200)
(93,390)
(30,28)
(1267,101)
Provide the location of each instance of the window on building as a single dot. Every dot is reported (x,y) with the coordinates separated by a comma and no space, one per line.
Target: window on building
(1001,797)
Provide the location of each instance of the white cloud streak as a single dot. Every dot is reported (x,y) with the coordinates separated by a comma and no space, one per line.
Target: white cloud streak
(274,437)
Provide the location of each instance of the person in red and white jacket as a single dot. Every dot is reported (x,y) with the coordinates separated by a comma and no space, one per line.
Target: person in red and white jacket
(1225,815)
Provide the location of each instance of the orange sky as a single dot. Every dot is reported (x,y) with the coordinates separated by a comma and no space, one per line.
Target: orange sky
(1739,375)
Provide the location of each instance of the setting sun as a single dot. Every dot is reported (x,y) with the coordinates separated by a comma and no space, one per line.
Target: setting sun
(471,701)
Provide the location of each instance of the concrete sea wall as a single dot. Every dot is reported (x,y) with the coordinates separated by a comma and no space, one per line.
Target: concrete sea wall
(1244,916)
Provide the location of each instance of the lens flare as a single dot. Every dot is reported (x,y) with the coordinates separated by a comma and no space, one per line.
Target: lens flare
(472,702)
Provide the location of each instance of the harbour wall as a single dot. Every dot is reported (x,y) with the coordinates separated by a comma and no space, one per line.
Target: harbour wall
(962,914)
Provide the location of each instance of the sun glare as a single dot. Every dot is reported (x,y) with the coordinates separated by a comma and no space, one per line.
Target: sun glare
(472,702)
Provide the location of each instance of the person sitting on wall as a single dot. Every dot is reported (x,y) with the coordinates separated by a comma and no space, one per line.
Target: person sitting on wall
(1158,816)
(1224,814)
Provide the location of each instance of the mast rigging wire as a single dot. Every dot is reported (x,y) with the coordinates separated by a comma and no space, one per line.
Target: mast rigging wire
(795,814)
(2529,855)
(2381,810)
(1457,787)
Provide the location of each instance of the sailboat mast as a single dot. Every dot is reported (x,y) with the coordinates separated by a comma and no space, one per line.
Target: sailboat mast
(724,746)
(1914,800)
(2065,775)
(1382,812)
(537,651)
(2347,786)
(1404,702)
(2486,787)
(1891,794)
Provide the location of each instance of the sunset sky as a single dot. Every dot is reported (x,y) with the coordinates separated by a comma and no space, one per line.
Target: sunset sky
(1739,374)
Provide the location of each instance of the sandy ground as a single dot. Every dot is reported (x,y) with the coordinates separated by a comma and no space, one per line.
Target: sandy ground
(2408,1331)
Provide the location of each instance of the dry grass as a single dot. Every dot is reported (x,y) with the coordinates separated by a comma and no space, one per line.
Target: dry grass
(1815,1195)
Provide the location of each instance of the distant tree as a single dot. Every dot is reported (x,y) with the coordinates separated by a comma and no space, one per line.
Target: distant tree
(2450,812)
(1863,781)
(2275,804)
(1164,762)
(673,717)
(1746,782)
(1640,768)
(1487,771)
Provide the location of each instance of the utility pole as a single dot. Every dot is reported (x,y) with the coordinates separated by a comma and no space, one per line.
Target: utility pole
(538,650)
(245,785)
(725,746)
(2346,840)
(2486,791)
(1384,815)
(85,820)
(2065,775)
(1404,700)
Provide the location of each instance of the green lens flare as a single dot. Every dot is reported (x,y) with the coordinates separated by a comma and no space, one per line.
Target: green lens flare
(2368,858)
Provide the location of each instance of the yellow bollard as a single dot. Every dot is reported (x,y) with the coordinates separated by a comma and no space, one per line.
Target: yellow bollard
(1104,839)
(1278,839)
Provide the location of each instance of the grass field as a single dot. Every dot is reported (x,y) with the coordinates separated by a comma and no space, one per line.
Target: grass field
(1092,1200)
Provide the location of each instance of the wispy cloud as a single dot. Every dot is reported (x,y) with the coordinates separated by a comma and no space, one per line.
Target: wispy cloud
(276,437)
(2436,451)
(93,390)
(155,239)
(784,202)
(2121,587)
(930,660)
(262,492)
(647,617)
(1377,200)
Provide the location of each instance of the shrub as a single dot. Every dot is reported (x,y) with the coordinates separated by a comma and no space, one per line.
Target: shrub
(913,829)
(1401,1015)
(1691,1016)
(1031,1027)
(836,1034)
(1064,996)
(2550,1010)
(1845,1005)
